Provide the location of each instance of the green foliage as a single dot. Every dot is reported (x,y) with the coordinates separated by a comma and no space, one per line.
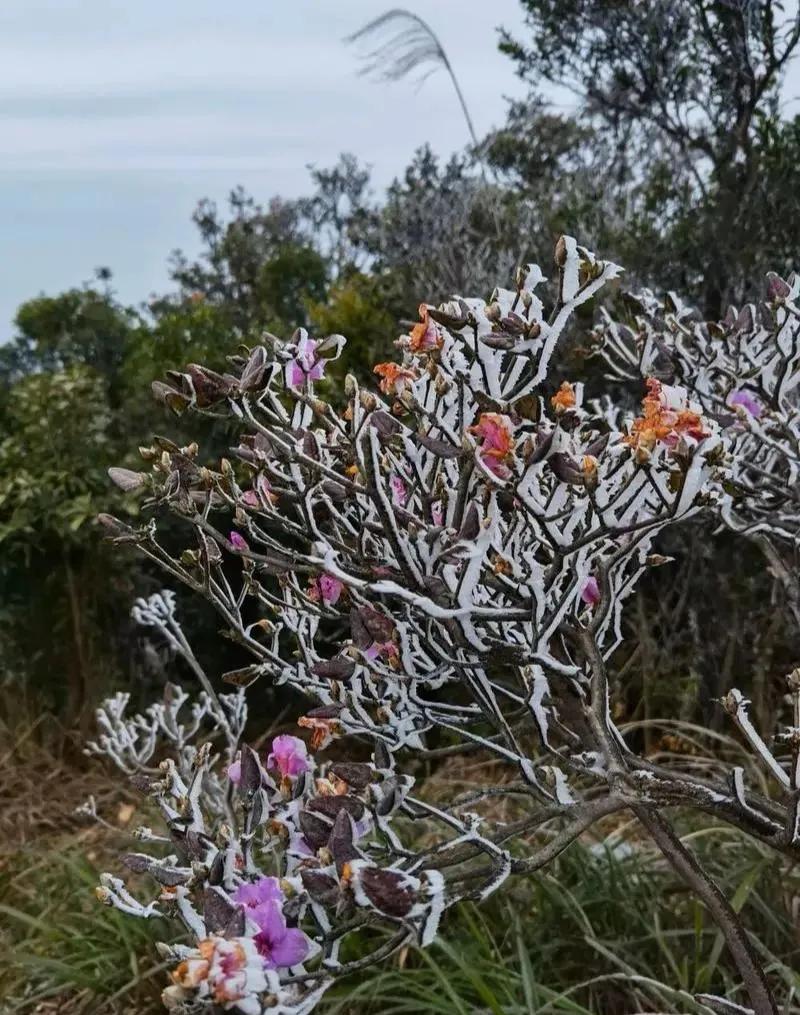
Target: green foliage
(677,99)
(356,307)
(52,457)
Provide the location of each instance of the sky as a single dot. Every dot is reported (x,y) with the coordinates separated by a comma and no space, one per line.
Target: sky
(117,117)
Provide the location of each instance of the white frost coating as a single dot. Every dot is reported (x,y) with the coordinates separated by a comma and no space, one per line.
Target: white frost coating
(435,885)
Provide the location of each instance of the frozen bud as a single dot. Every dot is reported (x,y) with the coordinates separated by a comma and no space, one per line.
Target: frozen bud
(226,468)
(126,479)
(642,455)
(442,385)
(238,542)
(589,468)
(777,289)
(350,385)
(590,592)
(103,895)
(520,276)
(114,526)
(494,312)
(732,702)
(560,253)
(368,401)
(534,331)
(793,680)
(148,454)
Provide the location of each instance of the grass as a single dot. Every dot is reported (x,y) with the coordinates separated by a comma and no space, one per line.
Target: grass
(599,932)
(66,950)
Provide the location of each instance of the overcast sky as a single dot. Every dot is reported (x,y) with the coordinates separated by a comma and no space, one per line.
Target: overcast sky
(117,116)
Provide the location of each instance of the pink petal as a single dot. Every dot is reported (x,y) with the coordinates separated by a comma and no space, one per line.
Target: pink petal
(331,588)
(590,593)
(237,542)
(295,375)
(289,755)
(265,890)
(290,949)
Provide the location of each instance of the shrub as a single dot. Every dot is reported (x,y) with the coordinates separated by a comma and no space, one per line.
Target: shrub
(441,565)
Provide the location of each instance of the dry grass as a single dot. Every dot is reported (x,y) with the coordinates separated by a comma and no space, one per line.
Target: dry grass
(49,860)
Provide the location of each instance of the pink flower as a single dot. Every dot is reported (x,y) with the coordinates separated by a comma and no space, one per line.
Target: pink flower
(399,492)
(330,589)
(590,593)
(325,588)
(385,650)
(497,442)
(747,401)
(238,542)
(259,893)
(289,755)
(437,512)
(306,365)
(235,771)
(261,495)
(278,945)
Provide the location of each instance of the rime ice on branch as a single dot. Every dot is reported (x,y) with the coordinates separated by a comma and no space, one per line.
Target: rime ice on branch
(439,565)
(744,371)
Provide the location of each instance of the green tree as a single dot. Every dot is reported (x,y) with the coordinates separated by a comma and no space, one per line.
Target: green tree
(683,97)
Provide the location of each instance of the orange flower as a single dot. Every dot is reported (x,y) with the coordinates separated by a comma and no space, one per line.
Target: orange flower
(322,730)
(394,378)
(662,420)
(425,335)
(564,398)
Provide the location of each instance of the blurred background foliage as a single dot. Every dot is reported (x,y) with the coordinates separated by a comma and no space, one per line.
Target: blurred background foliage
(680,159)
(677,159)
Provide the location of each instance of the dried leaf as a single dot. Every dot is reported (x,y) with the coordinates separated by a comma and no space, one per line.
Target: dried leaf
(332,806)
(354,773)
(338,668)
(316,831)
(218,910)
(387,890)
(321,887)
